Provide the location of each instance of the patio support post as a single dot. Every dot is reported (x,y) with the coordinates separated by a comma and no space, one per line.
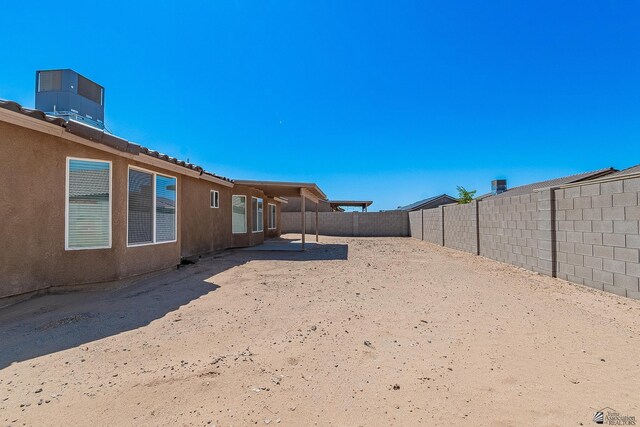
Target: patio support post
(304,218)
(317,204)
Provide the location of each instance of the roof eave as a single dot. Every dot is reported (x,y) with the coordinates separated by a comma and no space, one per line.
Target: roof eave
(14,113)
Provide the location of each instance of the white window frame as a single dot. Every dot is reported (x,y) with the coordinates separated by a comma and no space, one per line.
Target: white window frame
(259,223)
(153,184)
(214,199)
(66,205)
(275,216)
(246,229)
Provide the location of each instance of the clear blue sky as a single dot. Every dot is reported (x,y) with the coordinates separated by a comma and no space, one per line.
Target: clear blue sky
(389,101)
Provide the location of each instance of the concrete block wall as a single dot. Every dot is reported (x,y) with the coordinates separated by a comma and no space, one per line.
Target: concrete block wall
(517,230)
(381,224)
(330,223)
(545,235)
(415,224)
(597,235)
(461,227)
(587,233)
(432,225)
(427,225)
(507,230)
(356,224)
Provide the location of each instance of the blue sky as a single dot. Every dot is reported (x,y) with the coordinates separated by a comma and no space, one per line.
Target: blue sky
(388,101)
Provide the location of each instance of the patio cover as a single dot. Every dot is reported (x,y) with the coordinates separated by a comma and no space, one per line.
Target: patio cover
(304,190)
(363,204)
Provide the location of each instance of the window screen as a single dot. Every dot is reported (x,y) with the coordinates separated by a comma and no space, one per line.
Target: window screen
(165,209)
(215,199)
(257,215)
(140,207)
(239,214)
(89,89)
(272,216)
(88,204)
(49,81)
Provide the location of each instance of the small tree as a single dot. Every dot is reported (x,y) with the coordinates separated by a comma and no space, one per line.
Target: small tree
(465,196)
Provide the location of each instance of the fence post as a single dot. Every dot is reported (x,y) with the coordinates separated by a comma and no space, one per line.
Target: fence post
(546,231)
(442,224)
(355,224)
(477,203)
(554,249)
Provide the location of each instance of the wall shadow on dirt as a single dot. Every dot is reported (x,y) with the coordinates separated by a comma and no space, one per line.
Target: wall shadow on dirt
(50,323)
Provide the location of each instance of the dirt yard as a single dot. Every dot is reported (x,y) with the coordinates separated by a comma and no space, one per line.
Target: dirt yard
(356,331)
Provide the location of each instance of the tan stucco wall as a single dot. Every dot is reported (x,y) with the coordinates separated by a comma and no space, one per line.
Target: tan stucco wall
(204,229)
(32,203)
(295,205)
(275,232)
(249,238)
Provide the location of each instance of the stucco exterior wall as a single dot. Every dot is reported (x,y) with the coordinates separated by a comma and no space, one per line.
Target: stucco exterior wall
(32,254)
(249,238)
(272,233)
(294,204)
(204,229)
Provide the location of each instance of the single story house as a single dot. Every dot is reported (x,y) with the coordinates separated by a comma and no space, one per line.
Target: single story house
(83,208)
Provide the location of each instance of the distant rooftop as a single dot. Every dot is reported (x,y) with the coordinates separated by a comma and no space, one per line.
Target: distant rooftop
(530,188)
(627,171)
(419,204)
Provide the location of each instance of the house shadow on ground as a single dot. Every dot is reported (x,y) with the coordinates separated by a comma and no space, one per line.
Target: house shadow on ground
(55,322)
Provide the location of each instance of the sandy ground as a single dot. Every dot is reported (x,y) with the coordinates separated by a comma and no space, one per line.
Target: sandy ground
(364,331)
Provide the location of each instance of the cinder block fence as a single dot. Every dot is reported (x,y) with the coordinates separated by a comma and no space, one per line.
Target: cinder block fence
(362,224)
(587,233)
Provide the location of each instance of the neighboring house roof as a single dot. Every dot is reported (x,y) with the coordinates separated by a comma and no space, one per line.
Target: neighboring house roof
(425,202)
(99,136)
(88,183)
(530,188)
(627,171)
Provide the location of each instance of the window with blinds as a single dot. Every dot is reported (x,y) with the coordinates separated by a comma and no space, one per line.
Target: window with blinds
(140,214)
(257,215)
(165,209)
(88,213)
(239,214)
(214,199)
(272,216)
(152,208)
